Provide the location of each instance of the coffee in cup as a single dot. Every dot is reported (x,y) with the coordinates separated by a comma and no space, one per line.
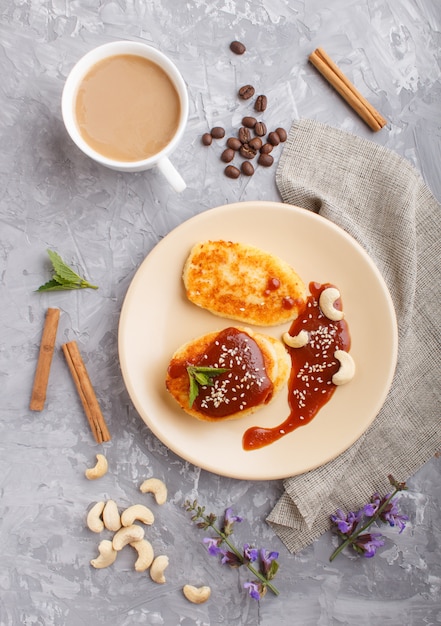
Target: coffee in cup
(125,105)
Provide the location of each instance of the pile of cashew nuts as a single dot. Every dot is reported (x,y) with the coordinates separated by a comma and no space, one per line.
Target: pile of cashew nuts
(105,515)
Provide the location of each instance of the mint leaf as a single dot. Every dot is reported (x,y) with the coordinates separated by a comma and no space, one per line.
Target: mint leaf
(194,391)
(59,286)
(64,277)
(63,271)
(51,285)
(199,375)
(202,379)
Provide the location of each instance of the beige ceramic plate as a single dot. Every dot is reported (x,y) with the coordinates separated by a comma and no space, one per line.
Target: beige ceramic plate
(156,319)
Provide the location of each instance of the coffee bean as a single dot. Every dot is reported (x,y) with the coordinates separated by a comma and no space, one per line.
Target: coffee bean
(207,139)
(255,143)
(247,168)
(217,132)
(282,134)
(234,143)
(244,134)
(266,148)
(261,103)
(237,47)
(246,92)
(249,122)
(260,129)
(231,171)
(273,139)
(227,155)
(247,152)
(266,160)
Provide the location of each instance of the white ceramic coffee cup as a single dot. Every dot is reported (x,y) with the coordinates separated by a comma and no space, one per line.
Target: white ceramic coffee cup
(76,75)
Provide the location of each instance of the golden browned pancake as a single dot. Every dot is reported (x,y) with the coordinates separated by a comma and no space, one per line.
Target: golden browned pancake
(242,282)
(255,366)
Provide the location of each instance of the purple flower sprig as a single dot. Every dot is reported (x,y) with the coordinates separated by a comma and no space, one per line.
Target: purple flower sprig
(379,509)
(222,546)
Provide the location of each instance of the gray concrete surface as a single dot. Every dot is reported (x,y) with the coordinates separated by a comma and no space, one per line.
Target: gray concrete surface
(51,196)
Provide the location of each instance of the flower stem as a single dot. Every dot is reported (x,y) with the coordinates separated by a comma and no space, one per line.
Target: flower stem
(233,549)
(349,540)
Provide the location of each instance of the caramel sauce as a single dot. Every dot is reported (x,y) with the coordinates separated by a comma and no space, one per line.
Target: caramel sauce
(127,108)
(288,302)
(310,385)
(272,285)
(245,384)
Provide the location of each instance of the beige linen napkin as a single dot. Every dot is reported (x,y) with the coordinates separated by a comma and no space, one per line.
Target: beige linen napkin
(382,201)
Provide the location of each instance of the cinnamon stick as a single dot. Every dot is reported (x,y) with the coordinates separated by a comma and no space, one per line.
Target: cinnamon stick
(333,74)
(38,395)
(86,392)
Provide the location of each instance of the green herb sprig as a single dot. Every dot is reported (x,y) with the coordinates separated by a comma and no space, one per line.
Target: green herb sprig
(351,527)
(200,376)
(64,278)
(261,563)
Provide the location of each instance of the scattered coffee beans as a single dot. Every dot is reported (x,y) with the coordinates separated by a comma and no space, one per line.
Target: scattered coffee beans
(244,134)
(273,139)
(246,146)
(207,139)
(249,122)
(260,129)
(232,172)
(266,160)
(266,148)
(246,92)
(237,47)
(247,168)
(247,152)
(227,155)
(218,132)
(234,143)
(282,134)
(261,103)
(255,143)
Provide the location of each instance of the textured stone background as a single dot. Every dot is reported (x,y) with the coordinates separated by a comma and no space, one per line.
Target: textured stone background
(51,196)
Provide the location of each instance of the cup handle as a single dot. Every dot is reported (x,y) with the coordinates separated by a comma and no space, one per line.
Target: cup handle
(171,174)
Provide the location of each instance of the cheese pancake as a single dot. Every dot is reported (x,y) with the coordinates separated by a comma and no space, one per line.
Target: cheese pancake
(248,368)
(244,283)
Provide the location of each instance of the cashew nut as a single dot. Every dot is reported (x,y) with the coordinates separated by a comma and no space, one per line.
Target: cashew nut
(346,371)
(111,517)
(100,468)
(93,520)
(107,555)
(157,487)
(137,512)
(197,595)
(298,341)
(126,535)
(326,303)
(157,569)
(145,554)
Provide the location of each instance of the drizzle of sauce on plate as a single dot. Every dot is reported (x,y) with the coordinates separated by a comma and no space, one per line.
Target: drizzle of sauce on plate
(310,385)
(244,385)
